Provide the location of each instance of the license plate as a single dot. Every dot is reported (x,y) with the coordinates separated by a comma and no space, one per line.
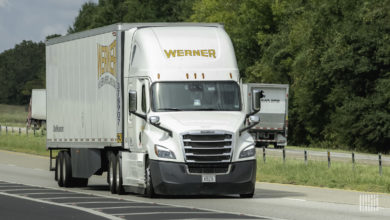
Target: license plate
(208,178)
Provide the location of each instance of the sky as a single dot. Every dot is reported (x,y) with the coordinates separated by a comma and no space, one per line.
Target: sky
(35,19)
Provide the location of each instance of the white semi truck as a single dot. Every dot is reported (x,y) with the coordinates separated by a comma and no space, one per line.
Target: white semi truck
(37,109)
(273,126)
(156,105)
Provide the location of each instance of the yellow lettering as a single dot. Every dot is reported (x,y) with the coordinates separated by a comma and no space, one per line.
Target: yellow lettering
(180,53)
(196,53)
(204,53)
(212,53)
(170,53)
(188,52)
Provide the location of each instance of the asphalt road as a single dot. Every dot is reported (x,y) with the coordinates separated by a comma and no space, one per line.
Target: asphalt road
(26,184)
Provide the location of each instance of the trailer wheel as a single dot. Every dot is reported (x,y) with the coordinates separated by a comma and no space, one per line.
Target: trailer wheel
(112,172)
(149,191)
(67,170)
(119,181)
(59,170)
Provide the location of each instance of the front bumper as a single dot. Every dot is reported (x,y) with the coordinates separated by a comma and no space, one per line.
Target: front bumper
(171,178)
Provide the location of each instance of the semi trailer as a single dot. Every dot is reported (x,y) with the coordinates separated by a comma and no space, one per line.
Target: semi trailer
(273,126)
(158,106)
(37,108)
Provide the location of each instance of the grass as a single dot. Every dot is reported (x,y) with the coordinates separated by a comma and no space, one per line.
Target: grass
(13,115)
(26,144)
(316,173)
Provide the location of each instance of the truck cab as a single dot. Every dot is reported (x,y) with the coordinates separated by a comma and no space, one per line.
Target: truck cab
(186,111)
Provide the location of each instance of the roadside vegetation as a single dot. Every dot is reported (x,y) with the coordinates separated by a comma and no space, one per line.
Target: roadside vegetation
(340,175)
(13,115)
(25,144)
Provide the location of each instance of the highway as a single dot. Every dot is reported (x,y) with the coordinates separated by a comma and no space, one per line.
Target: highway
(26,184)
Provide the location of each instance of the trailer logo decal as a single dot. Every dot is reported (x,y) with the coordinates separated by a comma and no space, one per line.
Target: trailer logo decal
(57,128)
(182,53)
(107,59)
(107,64)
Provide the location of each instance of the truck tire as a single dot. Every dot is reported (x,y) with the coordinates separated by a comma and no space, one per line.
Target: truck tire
(112,172)
(149,191)
(59,170)
(119,181)
(66,169)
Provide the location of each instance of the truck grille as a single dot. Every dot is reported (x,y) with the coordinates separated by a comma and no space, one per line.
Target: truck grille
(208,168)
(213,147)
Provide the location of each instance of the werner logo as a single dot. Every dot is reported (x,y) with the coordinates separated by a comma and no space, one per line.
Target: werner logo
(107,59)
(107,64)
(190,53)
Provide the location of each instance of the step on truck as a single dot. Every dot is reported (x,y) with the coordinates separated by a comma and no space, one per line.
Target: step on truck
(273,126)
(157,106)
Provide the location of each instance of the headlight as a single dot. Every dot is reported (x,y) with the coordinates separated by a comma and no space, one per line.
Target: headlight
(163,152)
(249,151)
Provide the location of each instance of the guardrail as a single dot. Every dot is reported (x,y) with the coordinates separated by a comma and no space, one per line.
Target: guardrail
(328,156)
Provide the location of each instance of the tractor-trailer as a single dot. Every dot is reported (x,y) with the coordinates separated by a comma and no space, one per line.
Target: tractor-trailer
(273,126)
(158,106)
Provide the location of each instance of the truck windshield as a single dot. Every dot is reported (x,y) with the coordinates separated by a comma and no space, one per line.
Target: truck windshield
(196,96)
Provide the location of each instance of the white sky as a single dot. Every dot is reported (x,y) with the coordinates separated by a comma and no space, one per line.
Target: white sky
(35,19)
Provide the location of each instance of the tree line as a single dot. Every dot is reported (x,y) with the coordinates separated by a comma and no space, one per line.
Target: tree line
(334,54)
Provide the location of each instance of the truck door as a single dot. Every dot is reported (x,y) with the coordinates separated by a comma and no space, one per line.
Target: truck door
(137,124)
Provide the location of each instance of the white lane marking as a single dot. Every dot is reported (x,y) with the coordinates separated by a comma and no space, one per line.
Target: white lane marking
(46,193)
(155,203)
(16,190)
(91,211)
(300,200)
(19,187)
(141,206)
(96,202)
(159,213)
(68,197)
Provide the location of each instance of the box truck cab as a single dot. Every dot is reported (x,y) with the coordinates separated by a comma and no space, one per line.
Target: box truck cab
(171,94)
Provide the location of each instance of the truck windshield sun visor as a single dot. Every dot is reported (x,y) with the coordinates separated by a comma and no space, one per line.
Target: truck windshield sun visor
(196,96)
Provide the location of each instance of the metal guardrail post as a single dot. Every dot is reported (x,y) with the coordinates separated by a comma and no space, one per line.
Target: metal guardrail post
(20,131)
(284,156)
(27,130)
(328,159)
(380,164)
(264,154)
(353,160)
(6,130)
(12,130)
(305,154)
(34,130)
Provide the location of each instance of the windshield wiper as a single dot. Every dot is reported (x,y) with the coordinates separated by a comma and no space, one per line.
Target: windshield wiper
(169,109)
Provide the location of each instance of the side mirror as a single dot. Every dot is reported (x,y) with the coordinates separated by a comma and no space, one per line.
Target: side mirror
(257,95)
(132,101)
(154,120)
(254,119)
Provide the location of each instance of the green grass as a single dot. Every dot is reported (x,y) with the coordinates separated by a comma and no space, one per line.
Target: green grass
(13,115)
(26,144)
(316,173)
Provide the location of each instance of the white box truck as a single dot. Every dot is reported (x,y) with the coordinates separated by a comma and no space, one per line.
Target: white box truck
(156,105)
(273,126)
(37,108)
